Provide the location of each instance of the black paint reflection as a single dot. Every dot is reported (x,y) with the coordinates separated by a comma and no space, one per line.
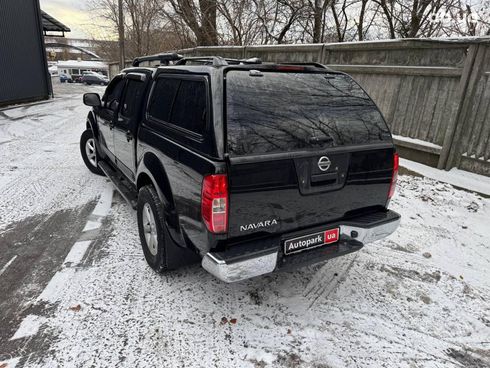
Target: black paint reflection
(280,112)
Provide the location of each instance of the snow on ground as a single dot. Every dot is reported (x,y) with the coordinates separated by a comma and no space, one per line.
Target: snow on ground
(415,141)
(386,305)
(40,167)
(459,178)
(416,299)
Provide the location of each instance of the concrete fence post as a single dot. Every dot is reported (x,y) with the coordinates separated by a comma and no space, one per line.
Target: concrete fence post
(452,139)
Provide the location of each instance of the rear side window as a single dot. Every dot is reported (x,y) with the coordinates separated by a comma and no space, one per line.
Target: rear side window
(181,103)
(189,109)
(163,97)
(277,112)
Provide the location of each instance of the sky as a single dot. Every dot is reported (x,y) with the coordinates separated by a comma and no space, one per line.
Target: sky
(73,14)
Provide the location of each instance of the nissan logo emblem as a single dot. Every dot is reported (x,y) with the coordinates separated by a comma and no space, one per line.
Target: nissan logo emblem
(324,163)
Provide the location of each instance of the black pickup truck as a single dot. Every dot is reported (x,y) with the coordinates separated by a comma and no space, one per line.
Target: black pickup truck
(245,166)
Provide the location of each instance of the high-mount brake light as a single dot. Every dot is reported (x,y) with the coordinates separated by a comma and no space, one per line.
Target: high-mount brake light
(290,68)
(214,203)
(394,176)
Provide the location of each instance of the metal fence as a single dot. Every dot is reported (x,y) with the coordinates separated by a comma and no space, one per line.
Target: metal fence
(23,68)
(434,94)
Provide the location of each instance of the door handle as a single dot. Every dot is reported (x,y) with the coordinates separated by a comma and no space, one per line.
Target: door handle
(129,136)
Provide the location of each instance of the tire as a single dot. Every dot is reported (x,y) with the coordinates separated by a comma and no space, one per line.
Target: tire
(89,152)
(153,233)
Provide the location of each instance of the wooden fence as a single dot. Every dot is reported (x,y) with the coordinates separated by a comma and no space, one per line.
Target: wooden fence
(434,94)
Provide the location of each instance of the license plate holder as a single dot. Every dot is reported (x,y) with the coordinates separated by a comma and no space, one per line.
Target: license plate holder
(310,241)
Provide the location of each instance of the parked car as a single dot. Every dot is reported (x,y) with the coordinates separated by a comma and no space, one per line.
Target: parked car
(245,167)
(65,78)
(94,78)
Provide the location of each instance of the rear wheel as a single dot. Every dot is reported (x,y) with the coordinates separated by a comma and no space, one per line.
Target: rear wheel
(89,152)
(152,229)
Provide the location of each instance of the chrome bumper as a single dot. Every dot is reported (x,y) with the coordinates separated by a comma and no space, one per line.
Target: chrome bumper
(369,235)
(237,271)
(262,264)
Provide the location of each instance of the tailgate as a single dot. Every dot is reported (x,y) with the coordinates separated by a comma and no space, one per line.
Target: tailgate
(278,196)
(304,149)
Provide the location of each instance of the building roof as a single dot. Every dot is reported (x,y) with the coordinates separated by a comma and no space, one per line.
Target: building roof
(52,25)
(82,64)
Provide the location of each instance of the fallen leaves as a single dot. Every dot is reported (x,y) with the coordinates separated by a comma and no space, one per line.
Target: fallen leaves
(231,321)
(75,308)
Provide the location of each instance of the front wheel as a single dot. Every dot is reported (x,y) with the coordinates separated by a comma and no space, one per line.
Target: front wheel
(151,225)
(89,152)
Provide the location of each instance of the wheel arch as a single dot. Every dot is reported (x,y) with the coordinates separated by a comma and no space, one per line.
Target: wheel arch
(91,123)
(151,172)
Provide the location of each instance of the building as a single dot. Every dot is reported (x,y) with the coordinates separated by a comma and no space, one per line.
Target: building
(76,68)
(60,48)
(24,72)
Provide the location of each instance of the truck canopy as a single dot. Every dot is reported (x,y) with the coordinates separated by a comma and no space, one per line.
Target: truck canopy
(304,149)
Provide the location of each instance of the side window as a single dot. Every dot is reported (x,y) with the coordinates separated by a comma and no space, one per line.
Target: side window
(189,108)
(132,98)
(163,98)
(112,95)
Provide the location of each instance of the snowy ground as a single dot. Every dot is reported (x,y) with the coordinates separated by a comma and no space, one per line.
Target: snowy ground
(76,291)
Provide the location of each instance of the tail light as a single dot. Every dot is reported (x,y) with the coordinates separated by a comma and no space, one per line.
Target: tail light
(214,203)
(394,176)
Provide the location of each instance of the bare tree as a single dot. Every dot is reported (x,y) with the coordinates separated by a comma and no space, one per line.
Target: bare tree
(158,25)
(279,18)
(146,30)
(241,25)
(319,9)
(367,15)
(200,16)
(343,14)
(143,16)
(466,19)
(414,18)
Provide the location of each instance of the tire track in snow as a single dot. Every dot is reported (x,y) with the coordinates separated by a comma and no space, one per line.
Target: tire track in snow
(330,276)
(4,268)
(33,323)
(52,291)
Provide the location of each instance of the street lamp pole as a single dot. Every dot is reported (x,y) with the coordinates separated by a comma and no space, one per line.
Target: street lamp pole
(122,54)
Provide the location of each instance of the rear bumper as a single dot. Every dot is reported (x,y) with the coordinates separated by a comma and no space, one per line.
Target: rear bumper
(243,261)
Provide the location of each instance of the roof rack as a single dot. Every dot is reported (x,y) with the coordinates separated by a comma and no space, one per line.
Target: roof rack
(164,58)
(317,65)
(217,60)
(206,60)
(254,60)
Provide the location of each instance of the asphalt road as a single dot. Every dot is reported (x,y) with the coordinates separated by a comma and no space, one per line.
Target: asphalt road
(75,290)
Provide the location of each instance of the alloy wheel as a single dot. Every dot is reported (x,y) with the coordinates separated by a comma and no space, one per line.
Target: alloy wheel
(91,152)
(150,229)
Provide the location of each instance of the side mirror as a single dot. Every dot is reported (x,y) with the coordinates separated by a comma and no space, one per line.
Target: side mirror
(92,99)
